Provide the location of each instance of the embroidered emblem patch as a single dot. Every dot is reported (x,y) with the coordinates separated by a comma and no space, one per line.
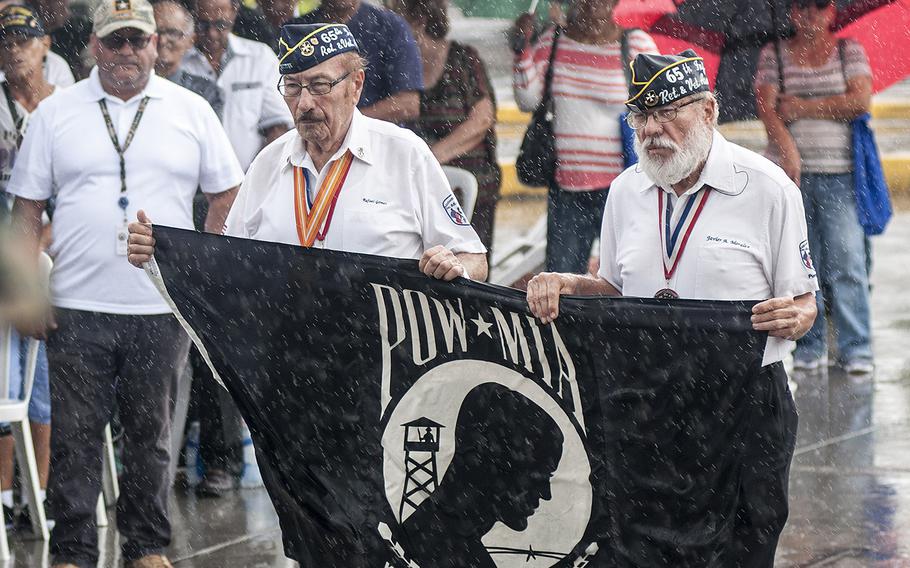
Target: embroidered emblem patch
(122,6)
(804,254)
(650,98)
(454,211)
(306,50)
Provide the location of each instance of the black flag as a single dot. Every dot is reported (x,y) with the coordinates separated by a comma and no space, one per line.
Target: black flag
(403,421)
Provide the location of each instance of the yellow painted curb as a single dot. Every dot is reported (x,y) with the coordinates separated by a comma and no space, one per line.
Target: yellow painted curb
(890,109)
(897,173)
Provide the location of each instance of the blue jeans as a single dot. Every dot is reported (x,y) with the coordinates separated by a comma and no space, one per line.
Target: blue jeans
(39,407)
(573,222)
(838,247)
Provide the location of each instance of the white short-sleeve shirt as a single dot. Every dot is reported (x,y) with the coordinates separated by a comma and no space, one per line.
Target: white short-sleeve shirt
(395,201)
(179,145)
(249,80)
(749,243)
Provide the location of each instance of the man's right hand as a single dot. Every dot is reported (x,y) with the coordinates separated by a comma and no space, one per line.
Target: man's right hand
(141,245)
(544,291)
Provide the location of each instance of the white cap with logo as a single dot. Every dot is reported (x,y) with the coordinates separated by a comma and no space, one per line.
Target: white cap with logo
(113,15)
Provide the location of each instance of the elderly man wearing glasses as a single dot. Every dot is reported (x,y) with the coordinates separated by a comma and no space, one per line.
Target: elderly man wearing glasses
(701,218)
(342,180)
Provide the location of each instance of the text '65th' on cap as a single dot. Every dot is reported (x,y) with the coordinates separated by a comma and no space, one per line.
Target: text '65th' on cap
(659,80)
(302,46)
(113,15)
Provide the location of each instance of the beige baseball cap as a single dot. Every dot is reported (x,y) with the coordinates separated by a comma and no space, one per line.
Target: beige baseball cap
(113,15)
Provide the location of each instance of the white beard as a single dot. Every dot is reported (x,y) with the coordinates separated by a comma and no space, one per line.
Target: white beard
(665,172)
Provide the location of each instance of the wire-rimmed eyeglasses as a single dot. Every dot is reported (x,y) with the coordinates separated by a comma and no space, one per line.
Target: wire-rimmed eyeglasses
(316,88)
(638,120)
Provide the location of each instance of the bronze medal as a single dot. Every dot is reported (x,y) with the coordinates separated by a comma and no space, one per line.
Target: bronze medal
(666,294)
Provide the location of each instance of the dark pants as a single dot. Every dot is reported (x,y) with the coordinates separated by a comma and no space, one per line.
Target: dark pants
(220,424)
(764,492)
(573,222)
(99,361)
(482,221)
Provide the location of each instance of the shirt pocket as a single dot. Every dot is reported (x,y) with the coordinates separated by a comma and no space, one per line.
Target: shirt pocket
(384,230)
(730,272)
(246,100)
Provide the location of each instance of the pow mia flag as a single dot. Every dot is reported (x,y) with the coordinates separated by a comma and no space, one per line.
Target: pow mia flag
(406,422)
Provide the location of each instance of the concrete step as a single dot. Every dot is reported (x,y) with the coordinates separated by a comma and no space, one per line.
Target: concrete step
(891,122)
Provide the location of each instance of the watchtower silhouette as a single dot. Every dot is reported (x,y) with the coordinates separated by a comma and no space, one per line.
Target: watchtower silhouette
(421,437)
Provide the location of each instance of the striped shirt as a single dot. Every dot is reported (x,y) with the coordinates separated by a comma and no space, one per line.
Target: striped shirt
(589,89)
(824,145)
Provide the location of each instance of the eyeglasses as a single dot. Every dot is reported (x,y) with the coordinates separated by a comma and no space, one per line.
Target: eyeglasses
(220,25)
(172,33)
(315,88)
(820,4)
(638,120)
(116,42)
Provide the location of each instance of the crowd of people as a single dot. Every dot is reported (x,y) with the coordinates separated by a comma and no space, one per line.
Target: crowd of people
(86,166)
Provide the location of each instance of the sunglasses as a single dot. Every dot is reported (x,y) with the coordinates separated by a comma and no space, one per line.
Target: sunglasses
(116,42)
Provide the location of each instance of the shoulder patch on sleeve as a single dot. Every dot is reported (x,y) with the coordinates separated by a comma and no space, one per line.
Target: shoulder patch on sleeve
(454,211)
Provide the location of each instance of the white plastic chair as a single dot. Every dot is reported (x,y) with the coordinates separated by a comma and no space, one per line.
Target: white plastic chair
(16,413)
(525,255)
(463,182)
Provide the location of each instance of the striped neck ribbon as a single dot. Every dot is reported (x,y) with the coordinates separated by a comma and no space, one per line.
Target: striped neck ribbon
(314,214)
(673,242)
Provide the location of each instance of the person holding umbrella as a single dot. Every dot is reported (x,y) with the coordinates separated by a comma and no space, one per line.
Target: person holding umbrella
(808,89)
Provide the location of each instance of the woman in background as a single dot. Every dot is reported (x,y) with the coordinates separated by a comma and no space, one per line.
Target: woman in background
(457,108)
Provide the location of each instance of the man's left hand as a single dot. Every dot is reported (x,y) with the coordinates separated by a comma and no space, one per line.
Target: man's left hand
(786,317)
(439,262)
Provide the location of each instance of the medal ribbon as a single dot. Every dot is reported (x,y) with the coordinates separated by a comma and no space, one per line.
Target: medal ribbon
(672,245)
(312,216)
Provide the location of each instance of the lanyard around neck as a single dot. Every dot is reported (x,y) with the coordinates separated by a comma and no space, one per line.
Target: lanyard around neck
(123,202)
(18,121)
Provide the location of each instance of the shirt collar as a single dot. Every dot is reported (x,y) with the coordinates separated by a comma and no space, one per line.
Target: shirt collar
(235,48)
(719,172)
(357,140)
(153,89)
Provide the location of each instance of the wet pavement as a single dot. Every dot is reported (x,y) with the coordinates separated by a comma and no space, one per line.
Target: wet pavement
(850,481)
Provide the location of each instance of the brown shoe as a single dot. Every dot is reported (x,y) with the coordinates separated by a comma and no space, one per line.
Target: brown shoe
(151,561)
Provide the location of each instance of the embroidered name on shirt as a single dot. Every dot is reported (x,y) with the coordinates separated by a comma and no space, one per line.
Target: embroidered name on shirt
(374,201)
(725,241)
(246,85)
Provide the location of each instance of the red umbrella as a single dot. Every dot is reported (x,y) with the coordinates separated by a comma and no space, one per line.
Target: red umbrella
(885,35)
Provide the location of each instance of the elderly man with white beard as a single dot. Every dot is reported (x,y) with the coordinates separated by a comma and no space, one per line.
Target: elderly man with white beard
(701,218)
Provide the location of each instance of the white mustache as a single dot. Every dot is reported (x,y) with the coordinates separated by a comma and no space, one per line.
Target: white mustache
(653,143)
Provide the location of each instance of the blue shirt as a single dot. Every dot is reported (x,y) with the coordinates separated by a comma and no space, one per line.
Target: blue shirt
(386,42)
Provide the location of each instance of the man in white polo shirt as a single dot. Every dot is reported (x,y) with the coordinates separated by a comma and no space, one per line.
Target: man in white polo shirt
(121,140)
(702,218)
(247,72)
